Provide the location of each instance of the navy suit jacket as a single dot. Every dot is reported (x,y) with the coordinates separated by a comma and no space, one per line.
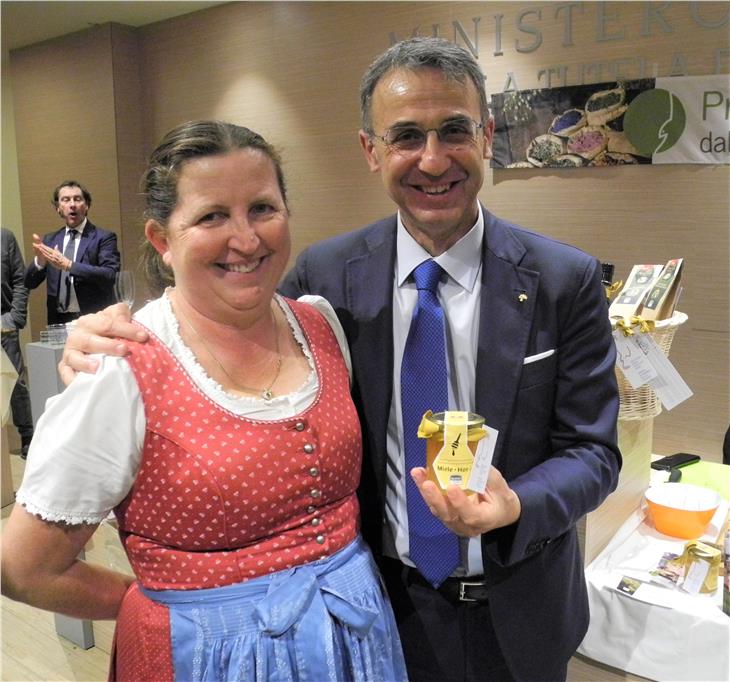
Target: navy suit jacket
(556,417)
(97,262)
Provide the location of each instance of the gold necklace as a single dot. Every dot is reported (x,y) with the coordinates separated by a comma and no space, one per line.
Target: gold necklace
(265,393)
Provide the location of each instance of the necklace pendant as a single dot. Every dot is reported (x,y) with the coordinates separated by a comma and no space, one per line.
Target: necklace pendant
(266,394)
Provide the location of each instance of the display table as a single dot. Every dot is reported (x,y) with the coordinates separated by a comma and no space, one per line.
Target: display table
(659,633)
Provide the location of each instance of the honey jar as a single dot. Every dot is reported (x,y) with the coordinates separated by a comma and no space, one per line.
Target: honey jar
(703,560)
(451,444)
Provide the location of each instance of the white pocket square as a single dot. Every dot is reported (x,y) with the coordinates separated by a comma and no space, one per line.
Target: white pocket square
(539,356)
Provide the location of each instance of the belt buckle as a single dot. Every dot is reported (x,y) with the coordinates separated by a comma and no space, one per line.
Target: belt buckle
(463,584)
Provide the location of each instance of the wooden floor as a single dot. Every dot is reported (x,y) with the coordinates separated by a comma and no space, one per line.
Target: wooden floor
(33,652)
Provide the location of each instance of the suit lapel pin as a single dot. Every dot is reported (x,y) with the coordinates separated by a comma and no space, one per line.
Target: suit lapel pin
(522,297)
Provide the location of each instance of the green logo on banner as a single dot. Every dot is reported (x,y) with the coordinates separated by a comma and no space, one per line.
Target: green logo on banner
(654,121)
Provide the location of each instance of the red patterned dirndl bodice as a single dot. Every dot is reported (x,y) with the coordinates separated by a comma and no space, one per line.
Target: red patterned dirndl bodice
(221,498)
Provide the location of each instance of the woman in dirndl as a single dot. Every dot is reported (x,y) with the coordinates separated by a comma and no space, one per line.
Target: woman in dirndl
(227,446)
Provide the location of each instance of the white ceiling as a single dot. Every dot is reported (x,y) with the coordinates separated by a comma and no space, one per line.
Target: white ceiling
(24,23)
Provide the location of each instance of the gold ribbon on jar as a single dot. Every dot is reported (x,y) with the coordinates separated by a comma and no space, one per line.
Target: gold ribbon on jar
(627,327)
(644,325)
(613,288)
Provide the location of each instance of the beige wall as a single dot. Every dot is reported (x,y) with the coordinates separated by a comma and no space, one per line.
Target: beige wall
(86,104)
(10,198)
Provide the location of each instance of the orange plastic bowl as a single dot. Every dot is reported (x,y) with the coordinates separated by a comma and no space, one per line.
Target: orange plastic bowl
(680,509)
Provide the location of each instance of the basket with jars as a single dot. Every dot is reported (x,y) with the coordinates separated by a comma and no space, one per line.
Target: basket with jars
(645,305)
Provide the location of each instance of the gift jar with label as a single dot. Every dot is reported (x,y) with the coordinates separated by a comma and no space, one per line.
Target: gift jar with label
(451,442)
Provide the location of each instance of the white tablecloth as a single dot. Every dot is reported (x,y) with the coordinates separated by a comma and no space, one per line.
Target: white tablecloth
(660,633)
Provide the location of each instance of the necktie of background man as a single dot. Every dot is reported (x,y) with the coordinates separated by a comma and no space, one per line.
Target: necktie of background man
(64,289)
(424,385)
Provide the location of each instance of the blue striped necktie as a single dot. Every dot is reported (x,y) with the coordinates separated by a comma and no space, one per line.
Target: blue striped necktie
(434,549)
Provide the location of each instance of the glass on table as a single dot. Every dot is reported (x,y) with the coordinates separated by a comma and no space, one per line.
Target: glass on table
(54,334)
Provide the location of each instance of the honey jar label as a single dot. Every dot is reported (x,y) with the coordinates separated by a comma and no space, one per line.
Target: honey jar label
(483,460)
(694,579)
(453,463)
(702,561)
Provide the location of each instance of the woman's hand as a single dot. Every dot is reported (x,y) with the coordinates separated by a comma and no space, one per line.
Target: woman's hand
(98,333)
(471,514)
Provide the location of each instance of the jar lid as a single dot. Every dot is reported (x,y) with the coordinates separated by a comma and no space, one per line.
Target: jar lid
(472,419)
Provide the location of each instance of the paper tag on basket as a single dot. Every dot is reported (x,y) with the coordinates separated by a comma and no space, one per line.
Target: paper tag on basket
(668,385)
(483,461)
(632,359)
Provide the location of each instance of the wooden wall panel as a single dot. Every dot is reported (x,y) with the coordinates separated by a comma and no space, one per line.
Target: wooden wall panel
(291,71)
(129,153)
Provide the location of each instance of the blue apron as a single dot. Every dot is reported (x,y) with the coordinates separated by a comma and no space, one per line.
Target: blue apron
(327,620)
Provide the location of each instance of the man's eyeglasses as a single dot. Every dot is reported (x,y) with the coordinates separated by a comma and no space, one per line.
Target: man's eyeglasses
(406,139)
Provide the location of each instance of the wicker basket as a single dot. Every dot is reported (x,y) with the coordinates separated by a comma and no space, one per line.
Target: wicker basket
(642,402)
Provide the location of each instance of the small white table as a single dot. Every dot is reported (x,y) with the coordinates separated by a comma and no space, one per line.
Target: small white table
(43,381)
(42,360)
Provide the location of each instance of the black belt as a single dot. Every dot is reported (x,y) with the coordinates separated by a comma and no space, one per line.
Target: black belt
(467,589)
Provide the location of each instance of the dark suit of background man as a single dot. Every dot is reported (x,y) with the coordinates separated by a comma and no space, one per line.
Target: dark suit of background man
(531,351)
(79,280)
(14,313)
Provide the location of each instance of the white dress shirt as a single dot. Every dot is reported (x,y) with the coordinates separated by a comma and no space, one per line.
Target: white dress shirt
(459,296)
(73,303)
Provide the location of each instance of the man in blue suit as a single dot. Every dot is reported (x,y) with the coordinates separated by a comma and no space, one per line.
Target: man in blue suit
(79,261)
(530,349)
